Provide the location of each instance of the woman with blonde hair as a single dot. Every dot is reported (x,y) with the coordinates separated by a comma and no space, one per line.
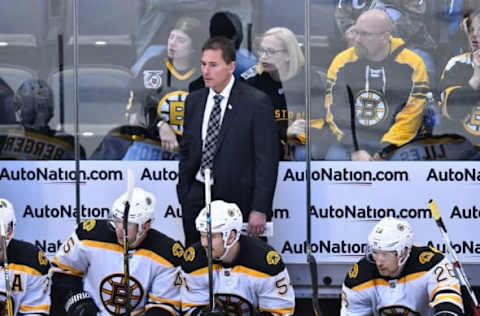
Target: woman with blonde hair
(280,73)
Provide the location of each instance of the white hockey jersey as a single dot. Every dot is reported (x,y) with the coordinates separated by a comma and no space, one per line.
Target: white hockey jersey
(257,281)
(426,284)
(29,283)
(93,253)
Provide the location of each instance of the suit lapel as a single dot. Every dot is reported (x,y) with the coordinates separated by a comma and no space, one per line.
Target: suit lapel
(202,102)
(230,113)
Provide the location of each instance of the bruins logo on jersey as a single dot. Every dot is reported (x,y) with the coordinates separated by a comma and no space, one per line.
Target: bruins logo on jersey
(113,296)
(472,121)
(177,250)
(189,254)
(233,304)
(397,310)
(42,259)
(353,272)
(425,257)
(273,257)
(371,108)
(89,224)
(172,109)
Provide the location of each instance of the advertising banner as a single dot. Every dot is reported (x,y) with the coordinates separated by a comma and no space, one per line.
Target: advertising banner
(347,198)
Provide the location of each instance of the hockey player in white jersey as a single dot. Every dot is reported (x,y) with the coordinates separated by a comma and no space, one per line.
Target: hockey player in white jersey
(27,271)
(397,278)
(88,272)
(249,277)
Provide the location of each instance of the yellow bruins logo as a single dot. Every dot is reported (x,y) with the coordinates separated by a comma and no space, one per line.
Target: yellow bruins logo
(353,272)
(172,109)
(189,254)
(371,108)
(273,257)
(42,259)
(177,250)
(114,296)
(425,257)
(397,310)
(472,121)
(234,304)
(89,224)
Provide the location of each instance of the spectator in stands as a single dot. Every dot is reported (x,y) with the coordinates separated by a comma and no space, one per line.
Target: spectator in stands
(280,73)
(34,139)
(409,23)
(228,24)
(460,87)
(161,89)
(7,111)
(397,278)
(388,84)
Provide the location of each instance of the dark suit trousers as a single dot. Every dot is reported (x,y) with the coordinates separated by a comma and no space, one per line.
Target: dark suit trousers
(191,207)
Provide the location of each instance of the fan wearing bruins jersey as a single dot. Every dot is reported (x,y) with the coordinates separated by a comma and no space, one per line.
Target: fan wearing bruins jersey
(34,139)
(164,79)
(460,85)
(249,277)
(396,278)
(88,272)
(389,84)
(280,73)
(27,271)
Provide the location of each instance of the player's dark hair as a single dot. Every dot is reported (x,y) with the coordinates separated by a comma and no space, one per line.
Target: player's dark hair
(224,44)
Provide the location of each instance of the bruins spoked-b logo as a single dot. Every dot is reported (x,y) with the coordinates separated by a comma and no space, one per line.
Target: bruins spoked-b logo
(234,305)
(371,108)
(397,310)
(472,121)
(171,108)
(114,296)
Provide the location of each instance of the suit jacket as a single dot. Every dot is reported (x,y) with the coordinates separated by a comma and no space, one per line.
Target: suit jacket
(246,160)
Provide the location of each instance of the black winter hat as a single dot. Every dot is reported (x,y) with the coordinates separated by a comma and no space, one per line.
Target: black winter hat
(227,24)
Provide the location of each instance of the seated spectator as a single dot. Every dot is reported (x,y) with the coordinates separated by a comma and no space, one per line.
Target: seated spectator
(34,139)
(387,84)
(228,24)
(409,23)
(460,87)
(164,79)
(281,74)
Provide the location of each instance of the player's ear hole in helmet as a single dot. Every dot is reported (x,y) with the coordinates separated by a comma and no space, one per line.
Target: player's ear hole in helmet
(391,234)
(225,218)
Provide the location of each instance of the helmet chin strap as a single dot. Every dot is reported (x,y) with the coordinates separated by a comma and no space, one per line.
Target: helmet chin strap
(227,247)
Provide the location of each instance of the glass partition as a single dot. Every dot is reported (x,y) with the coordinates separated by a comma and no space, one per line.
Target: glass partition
(368,109)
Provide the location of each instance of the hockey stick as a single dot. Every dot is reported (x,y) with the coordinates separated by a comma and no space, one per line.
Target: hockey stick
(456,263)
(352,118)
(3,233)
(126,211)
(208,203)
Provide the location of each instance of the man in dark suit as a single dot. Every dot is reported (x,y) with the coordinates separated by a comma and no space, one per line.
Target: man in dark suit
(243,154)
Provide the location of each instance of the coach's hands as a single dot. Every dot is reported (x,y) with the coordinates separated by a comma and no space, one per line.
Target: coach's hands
(167,136)
(256,223)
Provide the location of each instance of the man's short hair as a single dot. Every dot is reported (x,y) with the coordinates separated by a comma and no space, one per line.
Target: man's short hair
(224,44)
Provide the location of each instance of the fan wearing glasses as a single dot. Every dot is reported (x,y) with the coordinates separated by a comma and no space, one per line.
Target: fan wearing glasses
(280,73)
(397,278)
(388,84)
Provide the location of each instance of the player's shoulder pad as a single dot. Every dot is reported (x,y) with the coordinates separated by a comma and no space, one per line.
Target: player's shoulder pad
(260,256)
(97,230)
(164,246)
(361,272)
(24,253)
(194,258)
(250,73)
(422,259)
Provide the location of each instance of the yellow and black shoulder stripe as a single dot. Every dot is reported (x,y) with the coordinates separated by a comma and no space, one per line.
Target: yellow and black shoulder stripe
(161,248)
(26,257)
